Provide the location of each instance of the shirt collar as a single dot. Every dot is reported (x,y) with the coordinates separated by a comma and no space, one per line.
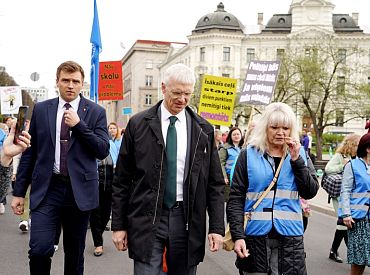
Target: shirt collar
(165,114)
(74,103)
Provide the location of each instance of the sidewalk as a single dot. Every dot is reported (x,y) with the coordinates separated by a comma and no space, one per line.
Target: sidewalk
(320,202)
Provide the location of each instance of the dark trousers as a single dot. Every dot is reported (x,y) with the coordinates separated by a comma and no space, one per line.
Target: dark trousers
(58,209)
(172,234)
(100,216)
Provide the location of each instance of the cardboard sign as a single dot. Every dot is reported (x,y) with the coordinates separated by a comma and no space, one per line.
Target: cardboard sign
(11,99)
(260,82)
(217,99)
(110,80)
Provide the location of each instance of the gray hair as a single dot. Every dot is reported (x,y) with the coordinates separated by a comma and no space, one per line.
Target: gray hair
(179,73)
(276,113)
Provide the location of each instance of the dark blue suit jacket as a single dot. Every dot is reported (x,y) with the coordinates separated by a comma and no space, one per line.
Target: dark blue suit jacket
(89,141)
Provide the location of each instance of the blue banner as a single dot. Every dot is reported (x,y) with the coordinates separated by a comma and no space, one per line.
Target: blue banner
(95,39)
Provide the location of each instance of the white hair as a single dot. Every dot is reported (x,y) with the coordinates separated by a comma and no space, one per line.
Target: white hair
(275,114)
(179,73)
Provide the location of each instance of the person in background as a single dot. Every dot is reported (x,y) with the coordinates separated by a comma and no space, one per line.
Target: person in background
(305,140)
(7,153)
(309,135)
(68,134)
(367,125)
(218,138)
(4,131)
(228,155)
(344,153)
(9,121)
(224,136)
(355,205)
(115,140)
(274,235)
(100,216)
(168,177)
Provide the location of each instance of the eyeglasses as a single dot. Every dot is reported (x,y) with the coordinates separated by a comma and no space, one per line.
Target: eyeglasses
(179,93)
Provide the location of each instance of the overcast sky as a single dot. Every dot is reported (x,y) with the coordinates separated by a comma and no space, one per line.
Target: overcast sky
(38,35)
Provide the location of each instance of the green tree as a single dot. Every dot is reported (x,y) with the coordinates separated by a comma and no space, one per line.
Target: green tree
(324,82)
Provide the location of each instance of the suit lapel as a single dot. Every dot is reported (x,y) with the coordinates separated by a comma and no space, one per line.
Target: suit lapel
(52,118)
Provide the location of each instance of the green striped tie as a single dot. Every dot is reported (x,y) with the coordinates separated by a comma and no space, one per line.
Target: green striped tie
(171,153)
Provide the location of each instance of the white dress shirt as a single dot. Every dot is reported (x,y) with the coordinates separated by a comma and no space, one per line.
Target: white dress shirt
(182,144)
(60,112)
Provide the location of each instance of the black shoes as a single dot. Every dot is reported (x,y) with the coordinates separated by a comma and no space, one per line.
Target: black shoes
(335,257)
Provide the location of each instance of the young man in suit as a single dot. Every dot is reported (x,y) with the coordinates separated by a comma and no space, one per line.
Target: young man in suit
(68,134)
(169,175)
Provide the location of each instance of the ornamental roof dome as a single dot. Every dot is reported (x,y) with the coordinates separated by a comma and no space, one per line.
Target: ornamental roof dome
(219,19)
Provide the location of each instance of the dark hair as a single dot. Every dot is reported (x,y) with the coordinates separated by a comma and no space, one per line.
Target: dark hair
(70,67)
(363,145)
(230,141)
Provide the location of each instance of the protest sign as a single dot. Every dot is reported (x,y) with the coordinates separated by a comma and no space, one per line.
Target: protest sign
(217,99)
(260,82)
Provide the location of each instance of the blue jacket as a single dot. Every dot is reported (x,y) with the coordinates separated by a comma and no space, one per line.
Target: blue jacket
(280,208)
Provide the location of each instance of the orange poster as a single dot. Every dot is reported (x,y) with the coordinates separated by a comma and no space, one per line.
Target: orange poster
(110,80)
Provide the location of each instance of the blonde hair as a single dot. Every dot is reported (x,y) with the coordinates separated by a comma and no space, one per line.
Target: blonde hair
(118,135)
(348,146)
(276,113)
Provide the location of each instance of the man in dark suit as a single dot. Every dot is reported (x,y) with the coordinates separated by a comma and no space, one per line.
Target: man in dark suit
(169,175)
(69,134)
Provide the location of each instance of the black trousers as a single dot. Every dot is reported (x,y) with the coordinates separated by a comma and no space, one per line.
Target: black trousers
(172,234)
(100,216)
(58,209)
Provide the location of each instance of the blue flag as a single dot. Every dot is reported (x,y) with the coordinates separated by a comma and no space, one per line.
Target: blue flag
(96,49)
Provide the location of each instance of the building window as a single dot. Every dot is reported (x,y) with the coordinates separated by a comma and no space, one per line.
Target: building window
(148,99)
(202,54)
(250,54)
(225,75)
(226,54)
(311,53)
(342,55)
(280,54)
(149,64)
(339,118)
(341,85)
(148,80)
(368,80)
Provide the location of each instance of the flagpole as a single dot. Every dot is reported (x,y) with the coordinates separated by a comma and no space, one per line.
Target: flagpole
(95,39)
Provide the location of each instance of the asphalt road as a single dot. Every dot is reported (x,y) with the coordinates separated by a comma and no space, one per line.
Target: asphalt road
(14,246)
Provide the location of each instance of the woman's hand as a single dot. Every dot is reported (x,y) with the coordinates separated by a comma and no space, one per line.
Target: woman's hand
(293,146)
(241,249)
(348,221)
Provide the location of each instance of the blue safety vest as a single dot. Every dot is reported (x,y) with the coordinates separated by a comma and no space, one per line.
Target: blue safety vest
(232,155)
(360,196)
(281,208)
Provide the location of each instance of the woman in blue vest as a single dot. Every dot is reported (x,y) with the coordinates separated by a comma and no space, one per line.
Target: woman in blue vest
(354,207)
(272,242)
(229,153)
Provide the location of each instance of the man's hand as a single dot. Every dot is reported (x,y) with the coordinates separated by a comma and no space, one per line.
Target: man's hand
(120,240)
(18,205)
(240,249)
(215,242)
(71,117)
(10,149)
